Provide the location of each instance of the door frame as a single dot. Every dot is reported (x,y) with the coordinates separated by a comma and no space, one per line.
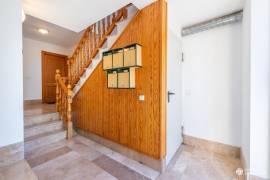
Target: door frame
(43,68)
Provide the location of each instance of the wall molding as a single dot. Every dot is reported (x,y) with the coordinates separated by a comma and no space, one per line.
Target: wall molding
(11,154)
(212,146)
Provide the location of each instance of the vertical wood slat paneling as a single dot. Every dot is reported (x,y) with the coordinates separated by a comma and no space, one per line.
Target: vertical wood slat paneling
(117,114)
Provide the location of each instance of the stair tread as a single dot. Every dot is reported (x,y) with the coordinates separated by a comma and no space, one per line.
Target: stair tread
(37,119)
(42,124)
(41,114)
(43,135)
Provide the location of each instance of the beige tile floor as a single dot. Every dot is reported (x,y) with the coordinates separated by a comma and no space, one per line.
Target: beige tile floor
(17,171)
(195,164)
(82,158)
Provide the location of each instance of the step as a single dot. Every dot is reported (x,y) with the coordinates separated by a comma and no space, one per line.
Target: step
(41,128)
(43,139)
(41,118)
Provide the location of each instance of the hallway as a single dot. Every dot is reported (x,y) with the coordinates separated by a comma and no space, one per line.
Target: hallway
(82,158)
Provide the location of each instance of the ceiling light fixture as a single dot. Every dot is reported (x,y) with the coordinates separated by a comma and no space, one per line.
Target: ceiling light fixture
(43,31)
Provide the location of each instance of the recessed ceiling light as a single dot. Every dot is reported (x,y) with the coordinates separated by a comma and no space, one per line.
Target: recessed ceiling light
(43,31)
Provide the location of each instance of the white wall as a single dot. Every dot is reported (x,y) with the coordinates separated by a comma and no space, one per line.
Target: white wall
(245,137)
(260,88)
(11,93)
(174,84)
(32,66)
(212,85)
(256,96)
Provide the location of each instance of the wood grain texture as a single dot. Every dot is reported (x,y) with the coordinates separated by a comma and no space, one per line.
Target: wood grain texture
(51,62)
(163,80)
(117,114)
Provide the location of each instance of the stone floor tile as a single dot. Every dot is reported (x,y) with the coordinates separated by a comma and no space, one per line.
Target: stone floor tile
(48,156)
(18,171)
(84,151)
(76,168)
(141,168)
(117,169)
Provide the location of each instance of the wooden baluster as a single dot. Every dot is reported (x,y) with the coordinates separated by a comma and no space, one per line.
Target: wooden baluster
(77,63)
(99,32)
(86,50)
(57,76)
(103,28)
(108,22)
(83,53)
(125,13)
(81,58)
(60,102)
(87,47)
(113,17)
(95,37)
(65,108)
(69,70)
(62,107)
(69,113)
(91,42)
(72,70)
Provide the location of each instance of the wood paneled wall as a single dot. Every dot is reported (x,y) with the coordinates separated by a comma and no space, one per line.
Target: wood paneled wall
(117,114)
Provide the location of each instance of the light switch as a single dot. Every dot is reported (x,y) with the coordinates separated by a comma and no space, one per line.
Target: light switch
(141,97)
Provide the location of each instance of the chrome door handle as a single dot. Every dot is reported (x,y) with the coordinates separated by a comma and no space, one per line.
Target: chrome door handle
(169,95)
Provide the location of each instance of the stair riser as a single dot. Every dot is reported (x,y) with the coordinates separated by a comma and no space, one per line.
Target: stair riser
(34,120)
(30,145)
(43,129)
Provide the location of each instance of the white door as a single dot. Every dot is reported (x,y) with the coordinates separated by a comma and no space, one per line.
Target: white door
(174,87)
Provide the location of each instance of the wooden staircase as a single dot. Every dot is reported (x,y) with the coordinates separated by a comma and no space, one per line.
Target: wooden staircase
(93,39)
(88,50)
(42,129)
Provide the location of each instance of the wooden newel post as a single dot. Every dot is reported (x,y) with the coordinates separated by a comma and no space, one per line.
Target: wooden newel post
(69,113)
(57,76)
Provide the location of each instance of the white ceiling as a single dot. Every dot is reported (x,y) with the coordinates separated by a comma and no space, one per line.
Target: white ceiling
(57,35)
(76,15)
(64,18)
(183,13)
